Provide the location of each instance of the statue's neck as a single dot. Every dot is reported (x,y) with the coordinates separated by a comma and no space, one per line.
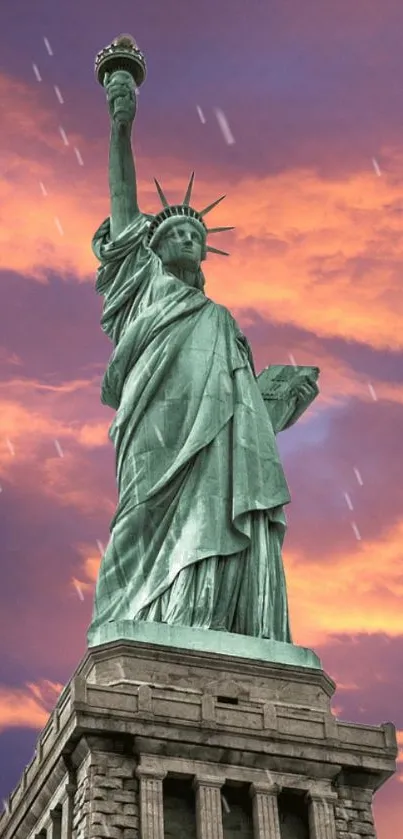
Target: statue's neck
(189,276)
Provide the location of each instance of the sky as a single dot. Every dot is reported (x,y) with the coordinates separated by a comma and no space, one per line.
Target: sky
(311,163)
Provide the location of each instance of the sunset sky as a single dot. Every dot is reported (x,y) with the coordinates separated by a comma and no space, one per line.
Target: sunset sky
(312,93)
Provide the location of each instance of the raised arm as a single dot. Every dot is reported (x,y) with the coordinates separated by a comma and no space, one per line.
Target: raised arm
(121,95)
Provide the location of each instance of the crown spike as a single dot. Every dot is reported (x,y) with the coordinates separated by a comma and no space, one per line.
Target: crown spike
(215,250)
(164,201)
(186,199)
(218,229)
(211,206)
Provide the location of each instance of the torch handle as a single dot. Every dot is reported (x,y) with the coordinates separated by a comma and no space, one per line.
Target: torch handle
(122,108)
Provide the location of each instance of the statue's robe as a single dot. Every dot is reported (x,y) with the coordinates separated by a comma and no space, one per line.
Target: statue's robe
(197,535)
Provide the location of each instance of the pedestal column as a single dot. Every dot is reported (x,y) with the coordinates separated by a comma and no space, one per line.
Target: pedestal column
(322,823)
(208,807)
(151,803)
(68,808)
(266,822)
(55,828)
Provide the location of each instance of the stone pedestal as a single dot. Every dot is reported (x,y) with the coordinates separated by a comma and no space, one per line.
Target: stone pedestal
(141,721)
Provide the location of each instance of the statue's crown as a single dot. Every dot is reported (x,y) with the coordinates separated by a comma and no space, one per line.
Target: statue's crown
(172,213)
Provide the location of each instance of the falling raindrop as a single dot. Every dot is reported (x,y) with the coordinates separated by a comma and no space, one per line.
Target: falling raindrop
(348,501)
(59,227)
(201,115)
(63,135)
(47,45)
(356,532)
(78,156)
(225,129)
(376,167)
(58,448)
(58,94)
(292,359)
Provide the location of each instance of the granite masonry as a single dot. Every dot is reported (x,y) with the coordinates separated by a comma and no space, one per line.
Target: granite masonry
(153,742)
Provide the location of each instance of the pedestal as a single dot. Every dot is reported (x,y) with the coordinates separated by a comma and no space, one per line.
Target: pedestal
(149,737)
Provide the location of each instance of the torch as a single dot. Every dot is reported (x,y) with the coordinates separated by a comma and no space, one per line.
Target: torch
(122,54)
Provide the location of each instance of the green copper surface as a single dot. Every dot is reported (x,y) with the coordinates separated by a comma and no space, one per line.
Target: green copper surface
(222,643)
(197,536)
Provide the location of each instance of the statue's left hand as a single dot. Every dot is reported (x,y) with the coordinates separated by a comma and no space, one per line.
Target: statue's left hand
(306,390)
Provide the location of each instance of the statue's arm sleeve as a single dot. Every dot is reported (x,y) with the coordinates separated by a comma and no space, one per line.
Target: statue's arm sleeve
(127,264)
(122,179)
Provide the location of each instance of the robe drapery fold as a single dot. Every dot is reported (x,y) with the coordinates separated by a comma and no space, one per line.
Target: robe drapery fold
(197,534)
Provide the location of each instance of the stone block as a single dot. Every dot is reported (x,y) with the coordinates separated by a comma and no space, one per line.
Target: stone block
(125,796)
(348,803)
(120,820)
(341,813)
(106,782)
(100,794)
(130,809)
(131,785)
(341,824)
(365,816)
(353,813)
(121,772)
(363,828)
(106,807)
(362,796)
(107,832)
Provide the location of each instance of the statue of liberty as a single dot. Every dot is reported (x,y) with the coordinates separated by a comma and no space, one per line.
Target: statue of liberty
(197,536)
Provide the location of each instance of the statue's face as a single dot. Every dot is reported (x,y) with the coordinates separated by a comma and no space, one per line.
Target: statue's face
(181,245)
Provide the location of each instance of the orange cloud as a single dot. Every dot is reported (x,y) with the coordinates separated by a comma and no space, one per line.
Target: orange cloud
(359,592)
(29,706)
(320,254)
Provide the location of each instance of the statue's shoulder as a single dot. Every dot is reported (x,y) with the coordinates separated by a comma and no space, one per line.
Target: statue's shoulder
(222,310)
